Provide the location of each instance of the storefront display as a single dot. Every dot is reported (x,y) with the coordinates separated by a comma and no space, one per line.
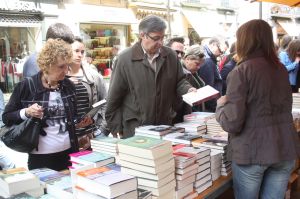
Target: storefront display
(103,42)
(16,43)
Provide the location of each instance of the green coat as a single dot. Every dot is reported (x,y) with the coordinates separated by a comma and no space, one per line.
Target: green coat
(138,95)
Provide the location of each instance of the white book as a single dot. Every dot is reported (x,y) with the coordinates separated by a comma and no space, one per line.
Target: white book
(187,169)
(204,186)
(203,167)
(144,161)
(202,94)
(156,183)
(140,174)
(197,152)
(182,183)
(183,161)
(95,108)
(202,181)
(184,138)
(148,169)
(157,130)
(184,191)
(203,160)
(82,194)
(192,195)
(18,180)
(186,175)
(163,190)
(106,182)
(60,188)
(202,174)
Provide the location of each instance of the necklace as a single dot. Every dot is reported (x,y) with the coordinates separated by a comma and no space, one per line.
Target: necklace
(57,86)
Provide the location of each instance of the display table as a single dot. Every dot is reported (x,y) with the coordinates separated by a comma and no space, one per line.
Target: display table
(218,187)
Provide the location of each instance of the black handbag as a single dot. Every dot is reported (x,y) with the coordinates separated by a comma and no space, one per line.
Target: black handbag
(23,137)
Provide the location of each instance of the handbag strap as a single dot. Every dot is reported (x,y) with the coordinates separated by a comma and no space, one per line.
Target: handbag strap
(31,85)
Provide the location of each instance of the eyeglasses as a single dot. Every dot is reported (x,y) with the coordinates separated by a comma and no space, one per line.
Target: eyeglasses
(156,38)
(180,53)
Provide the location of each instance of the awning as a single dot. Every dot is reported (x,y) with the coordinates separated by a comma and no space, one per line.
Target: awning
(141,13)
(291,28)
(100,14)
(284,2)
(203,23)
(9,19)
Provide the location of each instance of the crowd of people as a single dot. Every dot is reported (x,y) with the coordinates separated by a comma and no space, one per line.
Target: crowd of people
(146,85)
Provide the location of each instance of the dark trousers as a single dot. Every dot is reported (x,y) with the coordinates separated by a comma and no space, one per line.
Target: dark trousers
(56,161)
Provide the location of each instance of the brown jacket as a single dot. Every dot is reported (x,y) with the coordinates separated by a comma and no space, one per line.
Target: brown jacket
(138,95)
(258,115)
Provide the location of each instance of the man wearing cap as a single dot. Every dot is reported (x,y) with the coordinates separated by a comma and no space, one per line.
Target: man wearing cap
(145,81)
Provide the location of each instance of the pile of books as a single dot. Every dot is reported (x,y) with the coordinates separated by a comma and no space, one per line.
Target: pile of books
(152,162)
(105,144)
(193,127)
(154,131)
(185,170)
(19,180)
(105,182)
(213,127)
(199,117)
(215,164)
(296,100)
(203,174)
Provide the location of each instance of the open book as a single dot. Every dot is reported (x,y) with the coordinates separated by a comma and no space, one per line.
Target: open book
(94,110)
(202,95)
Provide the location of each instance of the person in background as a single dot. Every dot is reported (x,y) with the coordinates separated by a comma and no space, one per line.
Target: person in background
(290,59)
(257,114)
(209,71)
(146,79)
(55,31)
(177,44)
(229,64)
(284,42)
(88,61)
(90,88)
(53,100)
(5,161)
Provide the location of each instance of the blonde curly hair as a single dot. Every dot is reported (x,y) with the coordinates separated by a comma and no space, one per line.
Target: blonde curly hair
(52,50)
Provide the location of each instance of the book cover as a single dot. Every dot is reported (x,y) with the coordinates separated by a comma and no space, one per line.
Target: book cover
(106,182)
(18,180)
(95,108)
(60,187)
(145,147)
(92,157)
(201,95)
(158,130)
(185,138)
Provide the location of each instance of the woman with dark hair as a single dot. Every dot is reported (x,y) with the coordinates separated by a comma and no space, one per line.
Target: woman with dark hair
(256,112)
(90,88)
(290,59)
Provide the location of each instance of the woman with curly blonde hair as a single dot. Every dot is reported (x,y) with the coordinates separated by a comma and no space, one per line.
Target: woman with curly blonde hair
(50,96)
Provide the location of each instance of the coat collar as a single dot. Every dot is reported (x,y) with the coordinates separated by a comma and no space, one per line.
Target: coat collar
(138,53)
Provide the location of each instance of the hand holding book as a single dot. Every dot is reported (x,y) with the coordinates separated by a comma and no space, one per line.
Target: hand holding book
(222,100)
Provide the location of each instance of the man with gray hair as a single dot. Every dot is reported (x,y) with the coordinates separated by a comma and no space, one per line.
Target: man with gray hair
(145,81)
(209,71)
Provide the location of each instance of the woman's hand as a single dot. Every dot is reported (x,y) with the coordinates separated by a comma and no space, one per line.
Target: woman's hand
(34,110)
(84,122)
(192,90)
(222,100)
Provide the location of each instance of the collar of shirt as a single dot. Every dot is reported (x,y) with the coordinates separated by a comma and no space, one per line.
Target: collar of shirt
(152,60)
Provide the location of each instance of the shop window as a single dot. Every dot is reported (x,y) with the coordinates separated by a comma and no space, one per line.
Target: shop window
(16,43)
(103,42)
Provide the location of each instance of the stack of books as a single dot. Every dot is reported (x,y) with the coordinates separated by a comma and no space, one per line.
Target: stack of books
(47,175)
(152,162)
(202,158)
(213,127)
(296,100)
(105,182)
(154,131)
(215,164)
(182,138)
(186,170)
(87,157)
(105,144)
(18,180)
(194,127)
(199,117)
